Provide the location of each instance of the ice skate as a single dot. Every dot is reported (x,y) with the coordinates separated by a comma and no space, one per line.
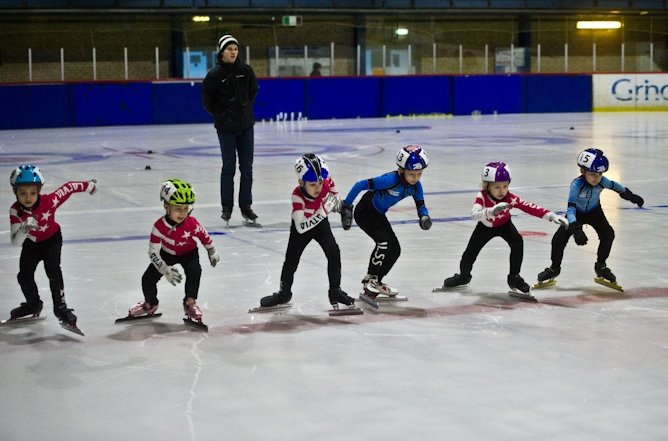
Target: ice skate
(453,282)
(250,218)
(519,289)
(139,311)
(23,314)
(193,314)
(337,296)
(226,215)
(375,292)
(605,277)
(67,319)
(275,302)
(546,278)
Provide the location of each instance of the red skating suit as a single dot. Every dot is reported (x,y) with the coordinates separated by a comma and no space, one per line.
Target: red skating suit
(44,211)
(308,212)
(483,202)
(179,239)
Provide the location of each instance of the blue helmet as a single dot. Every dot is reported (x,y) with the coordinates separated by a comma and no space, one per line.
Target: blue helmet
(593,160)
(495,172)
(26,174)
(311,168)
(412,157)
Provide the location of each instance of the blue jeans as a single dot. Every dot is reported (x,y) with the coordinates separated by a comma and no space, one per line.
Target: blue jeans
(239,143)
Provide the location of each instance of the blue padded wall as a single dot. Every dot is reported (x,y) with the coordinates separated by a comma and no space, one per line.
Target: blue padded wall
(40,105)
(358,97)
(178,103)
(416,95)
(280,95)
(488,94)
(112,104)
(558,93)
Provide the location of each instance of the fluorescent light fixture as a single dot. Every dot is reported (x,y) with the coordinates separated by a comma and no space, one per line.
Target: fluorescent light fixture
(599,24)
(401,32)
(201,18)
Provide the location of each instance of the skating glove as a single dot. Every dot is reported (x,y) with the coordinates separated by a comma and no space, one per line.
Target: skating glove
(498,208)
(553,217)
(425,222)
(214,257)
(28,224)
(633,198)
(172,275)
(92,186)
(332,203)
(346,216)
(579,235)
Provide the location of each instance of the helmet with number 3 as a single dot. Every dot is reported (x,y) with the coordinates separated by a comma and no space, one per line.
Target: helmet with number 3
(495,172)
(412,157)
(177,192)
(26,174)
(593,160)
(311,168)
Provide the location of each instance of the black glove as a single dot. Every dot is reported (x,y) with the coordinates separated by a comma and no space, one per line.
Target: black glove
(425,222)
(346,216)
(579,235)
(633,198)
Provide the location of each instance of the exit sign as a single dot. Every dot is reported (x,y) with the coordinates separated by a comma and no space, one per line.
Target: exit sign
(291,20)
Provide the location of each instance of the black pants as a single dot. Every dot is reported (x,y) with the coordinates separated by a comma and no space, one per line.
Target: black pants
(599,222)
(31,254)
(191,268)
(483,234)
(321,233)
(233,144)
(376,225)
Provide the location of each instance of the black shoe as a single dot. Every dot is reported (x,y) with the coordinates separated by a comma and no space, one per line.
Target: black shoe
(248,214)
(276,298)
(515,281)
(548,274)
(64,314)
(339,296)
(25,310)
(227,213)
(456,280)
(603,271)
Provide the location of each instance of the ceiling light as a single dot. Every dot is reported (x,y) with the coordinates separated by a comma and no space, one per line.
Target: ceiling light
(599,24)
(401,31)
(201,18)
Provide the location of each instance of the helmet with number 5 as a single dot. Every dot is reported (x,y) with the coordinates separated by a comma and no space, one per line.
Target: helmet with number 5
(177,192)
(26,174)
(311,168)
(593,160)
(412,157)
(495,172)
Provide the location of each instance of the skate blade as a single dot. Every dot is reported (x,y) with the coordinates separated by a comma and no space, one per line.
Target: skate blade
(137,319)
(350,310)
(71,328)
(609,284)
(387,299)
(545,284)
(368,300)
(522,296)
(253,224)
(270,308)
(22,321)
(195,324)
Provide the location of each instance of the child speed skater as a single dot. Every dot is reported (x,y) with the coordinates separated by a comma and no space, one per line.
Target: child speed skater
(173,242)
(312,200)
(382,192)
(584,208)
(491,210)
(33,225)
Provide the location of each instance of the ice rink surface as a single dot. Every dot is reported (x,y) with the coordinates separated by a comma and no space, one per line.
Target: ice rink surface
(584,363)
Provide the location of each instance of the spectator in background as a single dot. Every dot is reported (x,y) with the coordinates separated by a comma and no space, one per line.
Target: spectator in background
(228,93)
(316,70)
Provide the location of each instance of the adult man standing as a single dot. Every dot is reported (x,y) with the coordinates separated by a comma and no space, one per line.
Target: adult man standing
(228,93)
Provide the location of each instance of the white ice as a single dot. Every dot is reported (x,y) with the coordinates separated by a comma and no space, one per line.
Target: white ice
(584,363)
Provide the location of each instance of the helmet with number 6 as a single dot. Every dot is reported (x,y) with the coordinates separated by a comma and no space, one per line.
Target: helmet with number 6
(593,160)
(311,168)
(495,172)
(26,174)
(412,157)
(177,192)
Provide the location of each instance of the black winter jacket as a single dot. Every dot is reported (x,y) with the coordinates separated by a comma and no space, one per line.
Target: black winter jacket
(228,93)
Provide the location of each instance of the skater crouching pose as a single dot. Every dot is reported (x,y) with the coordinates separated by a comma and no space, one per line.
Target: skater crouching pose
(492,212)
(33,224)
(382,192)
(173,242)
(312,200)
(584,207)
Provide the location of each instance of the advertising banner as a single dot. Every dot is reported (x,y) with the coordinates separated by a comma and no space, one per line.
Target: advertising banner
(623,92)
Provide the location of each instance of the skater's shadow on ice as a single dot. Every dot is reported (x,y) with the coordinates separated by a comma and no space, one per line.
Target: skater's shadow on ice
(293,323)
(145,330)
(21,336)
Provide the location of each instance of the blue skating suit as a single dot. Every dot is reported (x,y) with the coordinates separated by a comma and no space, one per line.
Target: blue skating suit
(585,198)
(388,189)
